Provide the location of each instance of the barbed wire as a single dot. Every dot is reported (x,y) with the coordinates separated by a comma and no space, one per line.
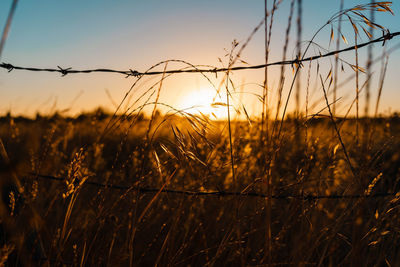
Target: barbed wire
(220,193)
(386,35)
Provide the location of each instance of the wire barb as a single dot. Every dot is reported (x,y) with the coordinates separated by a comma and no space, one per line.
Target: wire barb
(386,35)
(8,66)
(133,73)
(64,71)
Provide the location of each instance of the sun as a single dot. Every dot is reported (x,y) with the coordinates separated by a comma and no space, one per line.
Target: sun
(204,101)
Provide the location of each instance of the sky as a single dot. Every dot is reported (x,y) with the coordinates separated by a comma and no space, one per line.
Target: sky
(136,35)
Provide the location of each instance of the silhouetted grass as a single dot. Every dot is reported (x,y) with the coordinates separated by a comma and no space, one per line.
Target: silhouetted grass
(101,188)
(68,220)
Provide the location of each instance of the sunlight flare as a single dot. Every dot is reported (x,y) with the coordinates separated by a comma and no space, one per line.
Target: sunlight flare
(204,101)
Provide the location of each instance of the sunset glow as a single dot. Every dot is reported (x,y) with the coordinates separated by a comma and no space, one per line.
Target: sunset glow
(204,101)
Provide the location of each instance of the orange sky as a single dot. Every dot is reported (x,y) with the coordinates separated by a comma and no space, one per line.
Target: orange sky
(127,35)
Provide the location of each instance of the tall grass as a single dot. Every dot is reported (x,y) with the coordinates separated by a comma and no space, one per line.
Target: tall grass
(132,188)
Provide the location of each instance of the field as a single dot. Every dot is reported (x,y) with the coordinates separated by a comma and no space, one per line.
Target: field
(313,179)
(122,199)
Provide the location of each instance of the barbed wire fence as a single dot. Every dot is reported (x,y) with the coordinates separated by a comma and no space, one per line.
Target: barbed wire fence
(386,36)
(134,73)
(220,193)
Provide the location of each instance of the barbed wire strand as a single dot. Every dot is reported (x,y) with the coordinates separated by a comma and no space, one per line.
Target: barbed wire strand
(129,73)
(222,193)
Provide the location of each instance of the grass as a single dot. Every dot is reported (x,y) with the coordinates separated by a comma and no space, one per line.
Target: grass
(179,189)
(72,220)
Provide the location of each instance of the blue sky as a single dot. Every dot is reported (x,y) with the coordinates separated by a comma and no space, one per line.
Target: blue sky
(138,34)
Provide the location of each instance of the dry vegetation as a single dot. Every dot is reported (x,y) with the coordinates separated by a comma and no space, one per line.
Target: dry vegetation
(183,190)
